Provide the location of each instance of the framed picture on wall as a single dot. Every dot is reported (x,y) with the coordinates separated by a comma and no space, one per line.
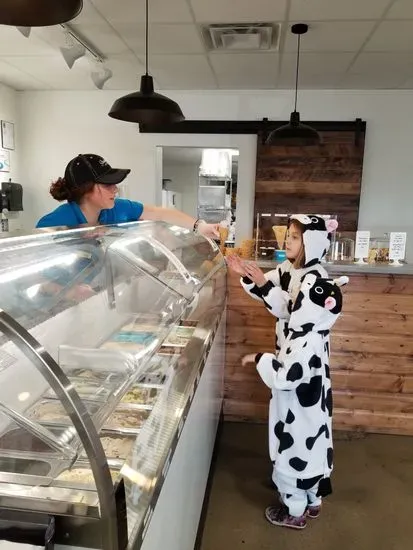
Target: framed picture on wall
(7,135)
(4,161)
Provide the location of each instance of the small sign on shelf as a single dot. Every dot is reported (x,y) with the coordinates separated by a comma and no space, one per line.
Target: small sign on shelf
(362,246)
(397,248)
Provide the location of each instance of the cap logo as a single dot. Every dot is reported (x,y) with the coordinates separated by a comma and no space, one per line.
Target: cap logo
(103,162)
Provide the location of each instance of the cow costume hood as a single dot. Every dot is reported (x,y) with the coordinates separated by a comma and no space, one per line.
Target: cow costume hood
(318,304)
(316,236)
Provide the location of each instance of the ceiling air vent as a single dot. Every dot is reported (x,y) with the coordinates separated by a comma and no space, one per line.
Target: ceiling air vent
(243,36)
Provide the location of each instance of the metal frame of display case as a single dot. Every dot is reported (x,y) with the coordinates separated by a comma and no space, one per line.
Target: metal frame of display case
(81,420)
(103,510)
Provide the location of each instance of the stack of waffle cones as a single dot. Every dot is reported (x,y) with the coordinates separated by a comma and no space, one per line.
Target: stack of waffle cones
(223,236)
(247,249)
(280,232)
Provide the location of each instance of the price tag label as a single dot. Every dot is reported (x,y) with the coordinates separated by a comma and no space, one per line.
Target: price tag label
(397,250)
(362,245)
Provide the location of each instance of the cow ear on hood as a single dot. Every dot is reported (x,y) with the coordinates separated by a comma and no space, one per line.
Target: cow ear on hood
(341,281)
(331,225)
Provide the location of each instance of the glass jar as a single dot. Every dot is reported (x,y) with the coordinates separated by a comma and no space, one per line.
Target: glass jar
(379,249)
(343,250)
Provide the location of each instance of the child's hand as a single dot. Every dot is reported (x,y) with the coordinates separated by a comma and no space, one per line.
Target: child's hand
(250,358)
(255,274)
(235,263)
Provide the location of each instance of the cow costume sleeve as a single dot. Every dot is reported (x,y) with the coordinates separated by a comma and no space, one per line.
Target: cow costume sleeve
(275,299)
(286,375)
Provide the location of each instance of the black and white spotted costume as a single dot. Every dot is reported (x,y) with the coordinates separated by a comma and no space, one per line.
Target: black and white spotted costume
(284,282)
(299,378)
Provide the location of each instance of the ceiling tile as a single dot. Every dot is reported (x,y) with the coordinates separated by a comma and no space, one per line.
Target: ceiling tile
(131,11)
(386,63)
(247,71)
(312,82)
(12,42)
(54,71)
(102,37)
(313,66)
(241,11)
(408,84)
(89,14)
(392,36)
(374,81)
(13,77)
(331,37)
(127,72)
(163,39)
(322,10)
(181,72)
(401,9)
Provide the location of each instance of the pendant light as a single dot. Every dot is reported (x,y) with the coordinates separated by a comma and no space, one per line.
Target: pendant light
(38,13)
(146,106)
(295,132)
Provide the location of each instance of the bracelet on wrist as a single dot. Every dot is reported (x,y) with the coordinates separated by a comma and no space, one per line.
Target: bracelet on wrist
(197,224)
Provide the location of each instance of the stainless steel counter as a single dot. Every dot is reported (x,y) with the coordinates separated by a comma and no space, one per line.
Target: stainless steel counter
(358,269)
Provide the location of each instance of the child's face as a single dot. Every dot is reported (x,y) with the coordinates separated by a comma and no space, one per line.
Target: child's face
(294,242)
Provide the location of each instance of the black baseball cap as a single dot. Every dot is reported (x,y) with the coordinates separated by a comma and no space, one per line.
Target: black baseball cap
(86,168)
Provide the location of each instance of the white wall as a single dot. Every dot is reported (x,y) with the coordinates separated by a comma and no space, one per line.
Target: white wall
(58,125)
(184,181)
(8,112)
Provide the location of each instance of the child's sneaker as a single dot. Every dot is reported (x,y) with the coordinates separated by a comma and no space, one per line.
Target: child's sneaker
(280,516)
(313,512)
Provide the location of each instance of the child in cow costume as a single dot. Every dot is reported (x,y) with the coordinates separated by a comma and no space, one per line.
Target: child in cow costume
(301,415)
(308,240)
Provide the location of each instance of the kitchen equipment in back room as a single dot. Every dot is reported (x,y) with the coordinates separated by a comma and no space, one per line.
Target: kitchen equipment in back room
(170,198)
(215,186)
(11,202)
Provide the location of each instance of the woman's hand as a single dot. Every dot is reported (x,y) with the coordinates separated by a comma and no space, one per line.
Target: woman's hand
(247,359)
(235,263)
(255,273)
(80,292)
(210,230)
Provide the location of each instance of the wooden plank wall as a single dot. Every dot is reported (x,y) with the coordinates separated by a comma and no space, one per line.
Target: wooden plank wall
(371,362)
(324,179)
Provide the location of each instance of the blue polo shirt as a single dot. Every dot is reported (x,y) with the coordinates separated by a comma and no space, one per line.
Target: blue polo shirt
(70,214)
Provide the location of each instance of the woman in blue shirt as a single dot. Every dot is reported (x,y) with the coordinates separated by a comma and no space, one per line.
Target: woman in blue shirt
(90,188)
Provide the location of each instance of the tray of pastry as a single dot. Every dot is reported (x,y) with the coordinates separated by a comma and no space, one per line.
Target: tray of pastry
(51,411)
(79,375)
(81,477)
(179,336)
(87,388)
(17,441)
(131,338)
(125,421)
(117,447)
(140,397)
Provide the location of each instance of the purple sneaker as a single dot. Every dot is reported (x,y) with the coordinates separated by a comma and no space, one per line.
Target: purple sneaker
(313,512)
(280,516)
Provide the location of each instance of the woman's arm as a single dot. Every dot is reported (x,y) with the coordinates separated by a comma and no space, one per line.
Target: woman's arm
(176,217)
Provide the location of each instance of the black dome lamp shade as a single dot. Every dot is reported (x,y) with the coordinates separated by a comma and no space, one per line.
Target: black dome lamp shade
(38,13)
(295,132)
(146,106)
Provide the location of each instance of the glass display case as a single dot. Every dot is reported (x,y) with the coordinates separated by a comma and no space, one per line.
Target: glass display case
(103,333)
(271,233)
